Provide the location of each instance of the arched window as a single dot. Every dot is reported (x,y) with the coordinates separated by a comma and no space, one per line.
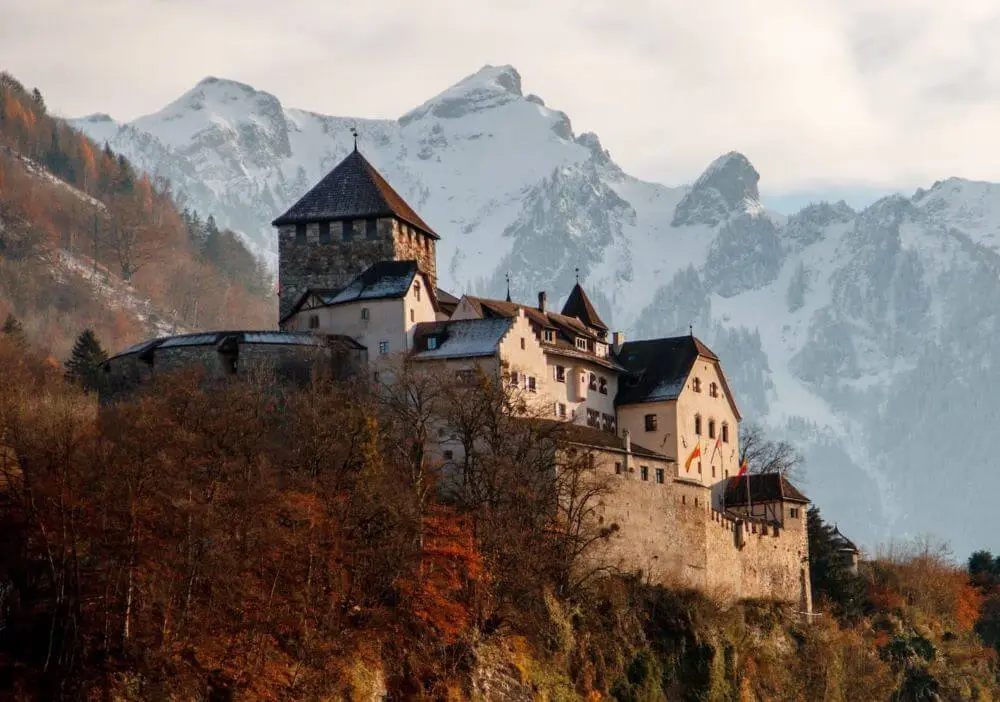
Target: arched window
(725,433)
(711,428)
(696,384)
(697,424)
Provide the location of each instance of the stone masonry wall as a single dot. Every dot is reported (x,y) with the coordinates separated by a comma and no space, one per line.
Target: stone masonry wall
(411,245)
(329,265)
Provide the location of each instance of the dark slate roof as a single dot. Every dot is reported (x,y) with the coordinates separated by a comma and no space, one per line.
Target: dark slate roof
(352,190)
(215,338)
(578,305)
(589,436)
(658,368)
(766,487)
(446,301)
(461,338)
(843,543)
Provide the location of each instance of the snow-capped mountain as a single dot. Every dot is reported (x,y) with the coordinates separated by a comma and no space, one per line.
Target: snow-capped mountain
(866,337)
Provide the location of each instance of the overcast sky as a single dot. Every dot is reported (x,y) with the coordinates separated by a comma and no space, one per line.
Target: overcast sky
(822,95)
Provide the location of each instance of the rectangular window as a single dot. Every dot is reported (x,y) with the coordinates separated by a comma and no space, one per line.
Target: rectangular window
(650,422)
(513,378)
(371,228)
(383,348)
(713,471)
(550,336)
(300,233)
(348,229)
(561,410)
(314,321)
(412,315)
(602,385)
(432,343)
(523,344)
(559,372)
(593,382)
(659,475)
(581,343)
(608,422)
(618,468)
(365,314)
(644,472)
(324,232)
(448,455)
(593,418)
(532,387)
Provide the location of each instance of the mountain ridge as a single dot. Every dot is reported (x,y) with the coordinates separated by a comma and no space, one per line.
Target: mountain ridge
(821,317)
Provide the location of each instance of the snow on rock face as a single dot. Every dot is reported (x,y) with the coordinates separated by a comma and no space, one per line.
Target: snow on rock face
(860,336)
(728,185)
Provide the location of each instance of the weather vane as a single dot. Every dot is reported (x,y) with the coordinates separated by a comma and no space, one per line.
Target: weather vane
(577,272)
(507,277)
(354,132)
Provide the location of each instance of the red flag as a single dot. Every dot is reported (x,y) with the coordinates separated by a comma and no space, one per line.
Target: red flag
(743,468)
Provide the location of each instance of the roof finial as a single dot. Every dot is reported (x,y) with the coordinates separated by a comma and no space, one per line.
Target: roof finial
(691,329)
(577,271)
(508,286)
(354,133)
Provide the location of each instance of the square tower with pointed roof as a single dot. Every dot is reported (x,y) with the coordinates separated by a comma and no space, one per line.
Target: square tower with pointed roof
(347,222)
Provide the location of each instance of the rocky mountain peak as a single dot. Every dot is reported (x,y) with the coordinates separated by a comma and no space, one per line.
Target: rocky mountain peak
(728,186)
(489,87)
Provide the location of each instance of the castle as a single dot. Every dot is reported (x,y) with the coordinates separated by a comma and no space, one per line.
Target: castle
(358,285)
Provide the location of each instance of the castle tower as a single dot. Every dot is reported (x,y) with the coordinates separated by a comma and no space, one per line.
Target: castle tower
(350,220)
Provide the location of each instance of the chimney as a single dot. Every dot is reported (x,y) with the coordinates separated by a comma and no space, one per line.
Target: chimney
(541,301)
(618,340)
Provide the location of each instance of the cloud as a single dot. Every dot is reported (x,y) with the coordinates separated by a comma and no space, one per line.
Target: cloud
(817,93)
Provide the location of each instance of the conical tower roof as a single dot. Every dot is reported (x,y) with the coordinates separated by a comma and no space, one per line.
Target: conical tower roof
(578,305)
(352,190)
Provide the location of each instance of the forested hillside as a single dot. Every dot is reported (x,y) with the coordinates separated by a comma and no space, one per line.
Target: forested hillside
(239,544)
(86,242)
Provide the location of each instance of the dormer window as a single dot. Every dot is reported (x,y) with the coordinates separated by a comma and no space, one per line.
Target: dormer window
(432,343)
(696,384)
(581,343)
(550,336)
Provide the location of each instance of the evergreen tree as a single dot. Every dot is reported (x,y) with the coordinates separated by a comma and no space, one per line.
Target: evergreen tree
(829,571)
(12,329)
(84,364)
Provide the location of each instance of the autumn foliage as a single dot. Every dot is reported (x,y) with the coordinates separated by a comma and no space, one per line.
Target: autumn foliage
(65,200)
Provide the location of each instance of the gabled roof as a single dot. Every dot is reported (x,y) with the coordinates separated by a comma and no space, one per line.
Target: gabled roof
(382,281)
(461,338)
(352,190)
(658,368)
(578,305)
(446,301)
(764,487)
(566,328)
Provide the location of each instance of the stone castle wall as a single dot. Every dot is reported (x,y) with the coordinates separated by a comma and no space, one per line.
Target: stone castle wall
(672,534)
(334,264)
(328,265)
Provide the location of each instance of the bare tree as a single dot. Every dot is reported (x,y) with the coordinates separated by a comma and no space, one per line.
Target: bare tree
(764,455)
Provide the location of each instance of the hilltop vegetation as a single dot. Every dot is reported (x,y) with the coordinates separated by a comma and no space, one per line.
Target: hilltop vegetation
(205,545)
(86,242)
